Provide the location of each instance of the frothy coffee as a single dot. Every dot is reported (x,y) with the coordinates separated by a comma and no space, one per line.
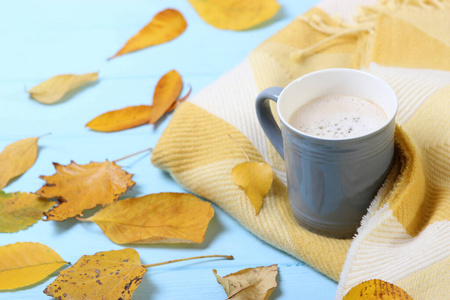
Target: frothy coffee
(338,117)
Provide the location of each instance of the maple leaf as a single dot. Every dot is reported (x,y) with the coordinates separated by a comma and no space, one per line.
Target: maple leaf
(80,187)
(251,283)
(377,289)
(17,158)
(53,89)
(165,26)
(235,15)
(21,210)
(24,264)
(156,218)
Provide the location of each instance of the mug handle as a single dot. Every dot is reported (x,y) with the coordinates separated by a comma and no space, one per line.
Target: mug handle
(266,119)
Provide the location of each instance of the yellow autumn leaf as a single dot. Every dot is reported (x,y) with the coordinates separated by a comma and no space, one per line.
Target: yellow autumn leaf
(80,187)
(235,14)
(164,27)
(155,218)
(114,274)
(252,283)
(17,158)
(375,289)
(53,89)
(121,119)
(256,179)
(165,95)
(21,210)
(24,264)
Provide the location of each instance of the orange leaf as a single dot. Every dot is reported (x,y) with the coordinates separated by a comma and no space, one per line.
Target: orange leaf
(256,179)
(375,289)
(156,218)
(165,95)
(80,187)
(252,283)
(114,274)
(165,26)
(235,14)
(121,119)
(17,158)
(21,210)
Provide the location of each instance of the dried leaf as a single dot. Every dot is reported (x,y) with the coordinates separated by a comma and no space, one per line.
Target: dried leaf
(165,95)
(165,26)
(252,283)
(21,210)
(104,275)
(17,158)
(53,89)
(235,14)
(121,119)
(80,187)
(156,218)
(24,264)
(375,289)
(256,179)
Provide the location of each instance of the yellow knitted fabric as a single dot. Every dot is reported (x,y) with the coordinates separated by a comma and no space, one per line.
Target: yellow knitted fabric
(405,236)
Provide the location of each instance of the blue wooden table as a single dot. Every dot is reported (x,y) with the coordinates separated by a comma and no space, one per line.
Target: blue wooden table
(41,39)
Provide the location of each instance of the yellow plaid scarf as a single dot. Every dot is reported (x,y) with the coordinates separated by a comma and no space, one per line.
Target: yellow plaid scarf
(405,237)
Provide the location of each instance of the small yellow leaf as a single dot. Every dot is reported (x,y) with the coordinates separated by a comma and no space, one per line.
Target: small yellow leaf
(235,14)
(375,289)
(165,95)
(80,187)
(165,26)
(156,218)
(23,264)
(256,179)
(252,283)
(17,158)
(112,274)
(121,119)
(53,89)
(21,210)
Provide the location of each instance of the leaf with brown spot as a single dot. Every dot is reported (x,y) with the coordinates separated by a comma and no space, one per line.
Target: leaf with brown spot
(24,264)
(17,158)
(375,289)
(165,95)
(80,187)
(235,14)
(21,210)
(252,283)
(105,275)
(165,26)
(155,218)
(53,89)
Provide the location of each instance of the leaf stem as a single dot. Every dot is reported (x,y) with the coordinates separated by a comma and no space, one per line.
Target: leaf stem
(125,157)
(184,259)
(248,159)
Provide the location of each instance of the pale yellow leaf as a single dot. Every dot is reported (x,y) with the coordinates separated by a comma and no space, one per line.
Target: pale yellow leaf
(23,264)
(53,89)
(17,158)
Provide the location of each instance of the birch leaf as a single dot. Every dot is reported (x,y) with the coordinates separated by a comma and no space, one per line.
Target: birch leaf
(256,179)
(80,187)
(17,158)
(24,264)
(165,95)
(165,26)
(235,14)
(155,218)
(375,289)
(112,274)
(252,283)
(21,210)
(53,89)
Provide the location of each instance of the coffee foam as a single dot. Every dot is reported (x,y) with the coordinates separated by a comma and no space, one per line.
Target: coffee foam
(338,117)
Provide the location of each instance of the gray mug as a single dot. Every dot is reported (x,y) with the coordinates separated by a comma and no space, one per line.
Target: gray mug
(331,182)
